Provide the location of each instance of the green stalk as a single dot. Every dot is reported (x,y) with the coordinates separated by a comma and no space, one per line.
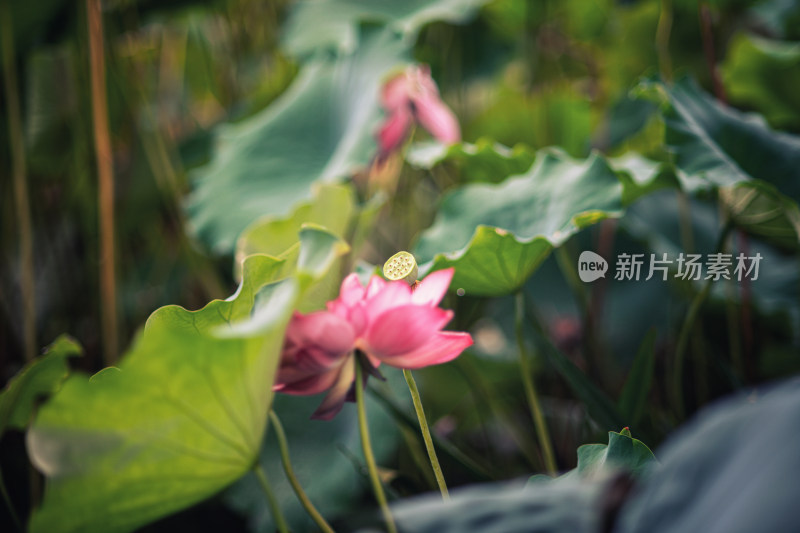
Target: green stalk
(686,329)
(105,175)
(734,339)
(530,389)
(167,178)
(683,339)
(662,40)
(685,221)
(477,470)
(700,360)
(21,197)
(23,213)
(280,521)
(708,48)
(426,434)
(591,344)
(420,460)
(481,391)
(287,467)
(746,289)
(369,457)
(567,266)
(9,504)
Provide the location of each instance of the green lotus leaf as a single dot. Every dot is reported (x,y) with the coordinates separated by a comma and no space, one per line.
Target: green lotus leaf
(185,414)
(485,161)
(759,209)
(41,377)
(335,24)
(763,74)
(320,130)
(718,146)
(333,208)
(497,235)
(641,175)
(622,452)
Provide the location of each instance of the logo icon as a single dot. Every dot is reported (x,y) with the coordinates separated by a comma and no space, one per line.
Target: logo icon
(591,266)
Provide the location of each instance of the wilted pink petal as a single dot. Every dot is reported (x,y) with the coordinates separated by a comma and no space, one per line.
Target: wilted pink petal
(436,117)
(421,80)
(404,329)
(395,93)
(395,130)
(409,97)
(431,290)
(444,347)
(335,398)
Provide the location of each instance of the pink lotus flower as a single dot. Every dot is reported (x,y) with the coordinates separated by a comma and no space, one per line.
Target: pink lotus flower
(386,320)
(412,97)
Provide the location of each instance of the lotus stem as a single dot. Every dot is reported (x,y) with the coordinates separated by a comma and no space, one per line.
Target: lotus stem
(18,171)
(530,389)
(686,329)
(369,457)
(105,174)
(287,467)
(426,434)
(662,40)
(280,521)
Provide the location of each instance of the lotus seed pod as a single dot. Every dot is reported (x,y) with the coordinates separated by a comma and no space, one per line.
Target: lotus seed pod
(401,265)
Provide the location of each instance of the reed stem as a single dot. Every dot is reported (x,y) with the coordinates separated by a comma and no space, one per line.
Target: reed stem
(105,175)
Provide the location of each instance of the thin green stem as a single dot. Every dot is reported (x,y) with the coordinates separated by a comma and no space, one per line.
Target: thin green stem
(662,40)
(591,345)
(9,504)
(700,360)
(734,337)
(708,48)
(105,175)
(426,434)
(369,457)
(746,312)
(686,328)
(478,471)
(683,339)
(567,267)
(530,390)
(685,221)
(18,171)
(414,445)
(482,392)
(280,521)
(287,467)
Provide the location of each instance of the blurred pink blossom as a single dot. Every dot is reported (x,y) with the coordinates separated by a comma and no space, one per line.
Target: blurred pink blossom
(412,97)
(388,321)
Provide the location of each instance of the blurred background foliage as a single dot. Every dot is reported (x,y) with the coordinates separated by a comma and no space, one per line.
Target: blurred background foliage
(175,70)
(186,77)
